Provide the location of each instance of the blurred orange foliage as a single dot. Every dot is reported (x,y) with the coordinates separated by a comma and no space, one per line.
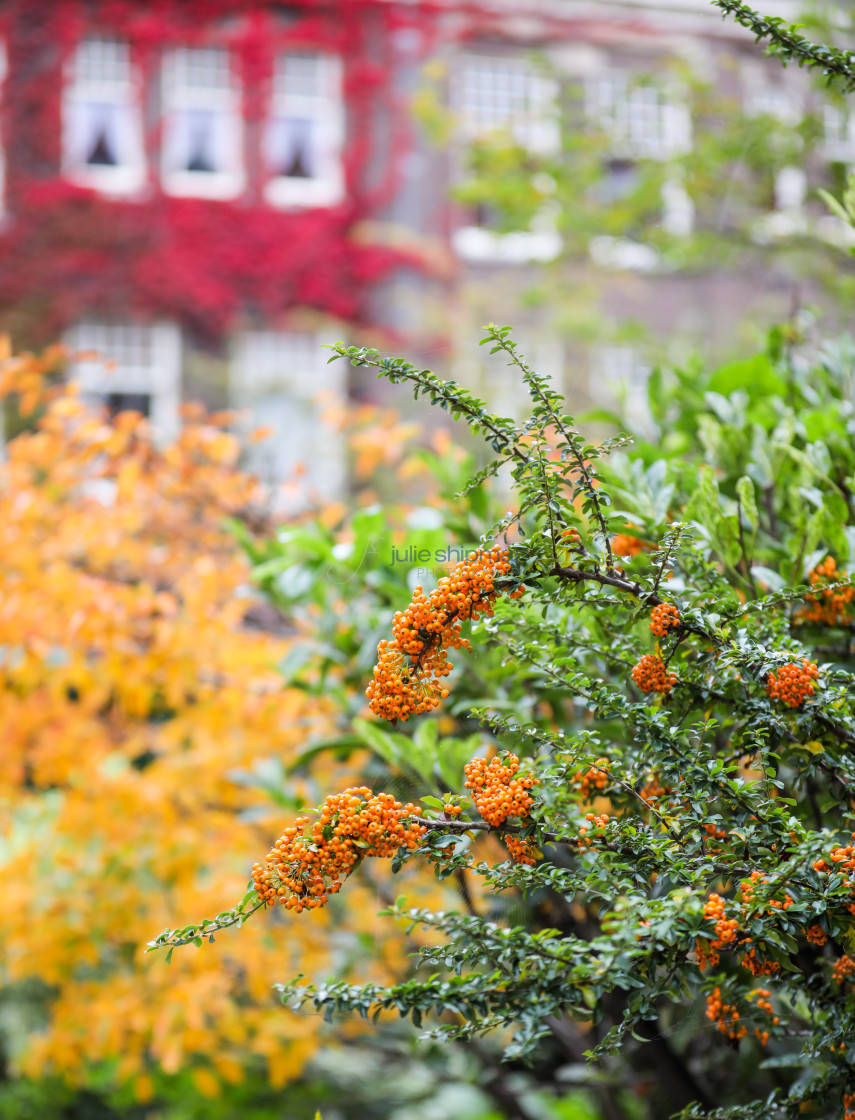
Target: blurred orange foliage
(133,688)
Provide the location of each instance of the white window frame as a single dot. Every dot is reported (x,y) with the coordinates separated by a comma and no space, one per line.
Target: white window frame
(619,373)
(130,358)
(283,367)
(528,114)
(764,98)
(100,71)
(525,246)
(184,91)
(642,120)
(323,107)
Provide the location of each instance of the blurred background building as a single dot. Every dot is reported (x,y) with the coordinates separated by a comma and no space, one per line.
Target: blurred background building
(204,191)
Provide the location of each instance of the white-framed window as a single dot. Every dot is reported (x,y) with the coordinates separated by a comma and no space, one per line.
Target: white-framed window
(281,380)
(641,120)
(508,94)
(102,133)
(765,98)
(304,133)
(618,378)
(130,366)
(202,152)
(838,134)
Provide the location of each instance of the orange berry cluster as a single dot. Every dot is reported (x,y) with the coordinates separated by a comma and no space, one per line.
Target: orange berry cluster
(664,619)
(497,792)
(652,792)
(522,850)
(843,969)
(849,1106)
(746,892)
(831,605)
(651,675)
(724,1015)
(725,928)
(793,683)
(594,780)
(844,858)
(593,821)
(761,1000)
(816,935)
(623,545)
(704,955)
(303,869)
(409,668)
(758,966)
(570,539)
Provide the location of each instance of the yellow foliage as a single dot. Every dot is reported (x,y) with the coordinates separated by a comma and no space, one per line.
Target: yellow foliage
(131,691)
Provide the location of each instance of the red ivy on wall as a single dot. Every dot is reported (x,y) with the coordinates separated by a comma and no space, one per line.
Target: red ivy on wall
(69,252)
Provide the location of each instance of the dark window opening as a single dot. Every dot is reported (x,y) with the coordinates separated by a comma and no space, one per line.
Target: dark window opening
(485,216)
(620,179)
(102,154)
(293,149)
(201,140)
(129,402)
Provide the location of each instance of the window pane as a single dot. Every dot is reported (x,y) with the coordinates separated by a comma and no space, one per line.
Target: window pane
(128,402)
(290,148)
(299,75)
(197,141)
(102,62)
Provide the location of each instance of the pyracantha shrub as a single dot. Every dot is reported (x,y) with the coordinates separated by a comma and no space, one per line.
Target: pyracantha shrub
(664,817)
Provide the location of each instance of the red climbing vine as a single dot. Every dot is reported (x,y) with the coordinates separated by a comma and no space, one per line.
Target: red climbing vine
(72,251)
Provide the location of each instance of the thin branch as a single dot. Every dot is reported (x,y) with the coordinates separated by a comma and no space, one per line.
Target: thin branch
(789,45)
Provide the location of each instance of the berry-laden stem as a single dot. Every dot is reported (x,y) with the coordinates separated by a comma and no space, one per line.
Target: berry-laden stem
(410,667)
(304,867)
